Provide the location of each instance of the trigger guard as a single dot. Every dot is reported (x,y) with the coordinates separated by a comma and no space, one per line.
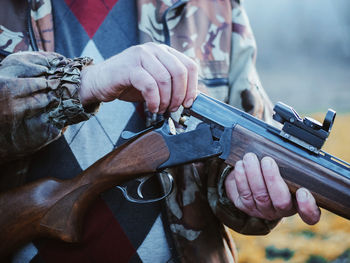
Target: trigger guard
(139,191)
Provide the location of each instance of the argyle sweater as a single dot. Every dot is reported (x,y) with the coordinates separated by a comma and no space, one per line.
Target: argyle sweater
(115,229)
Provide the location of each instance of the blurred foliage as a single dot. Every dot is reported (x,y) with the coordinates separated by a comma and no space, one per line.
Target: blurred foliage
(293,240)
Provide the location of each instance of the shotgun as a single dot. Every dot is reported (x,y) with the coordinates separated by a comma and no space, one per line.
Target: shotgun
(55,209)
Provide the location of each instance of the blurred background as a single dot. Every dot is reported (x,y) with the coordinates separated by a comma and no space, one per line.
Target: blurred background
(304,51)
(304,61)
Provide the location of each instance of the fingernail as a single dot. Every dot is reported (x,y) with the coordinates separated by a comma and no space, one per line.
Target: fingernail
(249,157)
(188,103)
(302,195)
(266,163)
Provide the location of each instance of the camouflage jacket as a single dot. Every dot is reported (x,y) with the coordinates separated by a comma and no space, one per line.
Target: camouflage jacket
(39,98)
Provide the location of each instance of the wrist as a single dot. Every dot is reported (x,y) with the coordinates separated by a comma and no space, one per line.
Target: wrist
(86,87)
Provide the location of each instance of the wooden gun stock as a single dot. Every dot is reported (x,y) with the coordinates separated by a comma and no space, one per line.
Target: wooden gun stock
(331,190)
(55,208)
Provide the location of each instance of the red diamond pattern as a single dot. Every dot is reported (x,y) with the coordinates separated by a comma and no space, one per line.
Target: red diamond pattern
(91,13)
(103,241)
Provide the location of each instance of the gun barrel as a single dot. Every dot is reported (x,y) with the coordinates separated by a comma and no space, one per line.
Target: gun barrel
(225,116)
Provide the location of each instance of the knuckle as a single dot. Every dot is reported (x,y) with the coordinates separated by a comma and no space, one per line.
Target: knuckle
(135,71)
(180,73)
(192,67)
(164,78)
(146,85)
(142,52)
(262,197)
(246,196)
(149,86)
(139,49)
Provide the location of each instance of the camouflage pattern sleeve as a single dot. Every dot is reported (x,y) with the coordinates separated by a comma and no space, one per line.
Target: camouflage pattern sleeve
(39,97)
(42,25)
(245,89)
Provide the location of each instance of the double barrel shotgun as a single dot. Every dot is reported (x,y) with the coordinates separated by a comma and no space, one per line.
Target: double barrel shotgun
(54,208)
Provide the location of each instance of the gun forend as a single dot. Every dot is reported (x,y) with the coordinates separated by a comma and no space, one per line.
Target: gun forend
(295,147)
(330,189)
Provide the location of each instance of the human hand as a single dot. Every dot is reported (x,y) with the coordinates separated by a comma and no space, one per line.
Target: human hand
(155,73)
(258,189)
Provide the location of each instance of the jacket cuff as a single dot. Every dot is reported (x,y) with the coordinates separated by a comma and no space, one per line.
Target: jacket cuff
(69,109)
